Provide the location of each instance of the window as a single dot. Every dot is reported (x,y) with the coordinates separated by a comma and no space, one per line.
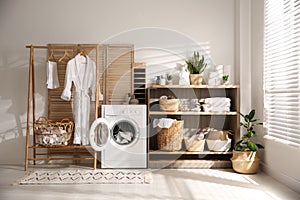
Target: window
(282,70)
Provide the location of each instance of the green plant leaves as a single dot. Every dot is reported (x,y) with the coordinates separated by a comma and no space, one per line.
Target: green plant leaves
(249,123)
(252,146)
(251,114)
(195,64)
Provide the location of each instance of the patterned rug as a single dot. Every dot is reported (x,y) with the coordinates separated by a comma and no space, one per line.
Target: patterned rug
(87,176)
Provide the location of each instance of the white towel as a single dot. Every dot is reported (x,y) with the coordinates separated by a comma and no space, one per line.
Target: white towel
(209,108)
(163,122)
(126,135)
(217,105)
(217,100)
(52,77)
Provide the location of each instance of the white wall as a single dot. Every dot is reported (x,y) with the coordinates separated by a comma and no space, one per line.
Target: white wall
(93,21)
(279,160)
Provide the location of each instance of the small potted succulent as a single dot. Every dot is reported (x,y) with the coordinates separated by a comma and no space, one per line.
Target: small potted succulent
(169,79)
(245,157)
(225,79)
(196,65)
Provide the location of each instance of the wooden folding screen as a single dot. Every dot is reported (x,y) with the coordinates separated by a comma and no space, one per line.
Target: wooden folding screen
(118,73)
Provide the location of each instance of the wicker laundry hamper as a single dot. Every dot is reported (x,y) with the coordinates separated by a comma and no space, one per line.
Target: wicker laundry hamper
(170,139)
(49,133)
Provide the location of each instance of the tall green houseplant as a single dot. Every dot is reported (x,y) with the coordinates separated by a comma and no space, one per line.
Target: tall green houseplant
(246,143)
(245,158)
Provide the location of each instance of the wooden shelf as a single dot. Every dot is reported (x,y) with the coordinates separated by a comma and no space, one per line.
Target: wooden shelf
(158,152)
(195,86)
(189,164)
(191,113)
(62,158)
(60,147)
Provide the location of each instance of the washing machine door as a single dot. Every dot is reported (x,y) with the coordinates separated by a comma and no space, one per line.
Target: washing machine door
(120,132)
(100,134)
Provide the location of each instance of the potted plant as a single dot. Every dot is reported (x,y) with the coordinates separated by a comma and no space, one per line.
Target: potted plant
(245,158)
(225,79)
(196,66)
(169,79)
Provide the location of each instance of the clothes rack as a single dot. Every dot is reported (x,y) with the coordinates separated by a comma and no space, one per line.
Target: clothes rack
(31,109)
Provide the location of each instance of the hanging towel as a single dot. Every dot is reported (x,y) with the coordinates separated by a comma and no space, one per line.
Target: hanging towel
(52,78)
(163,122)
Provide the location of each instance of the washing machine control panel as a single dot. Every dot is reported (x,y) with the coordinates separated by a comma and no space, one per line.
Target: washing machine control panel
(130,112)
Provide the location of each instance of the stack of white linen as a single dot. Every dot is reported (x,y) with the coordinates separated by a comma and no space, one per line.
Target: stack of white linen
(216,104)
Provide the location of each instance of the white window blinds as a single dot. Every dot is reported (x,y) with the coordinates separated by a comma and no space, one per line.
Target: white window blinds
(282,70)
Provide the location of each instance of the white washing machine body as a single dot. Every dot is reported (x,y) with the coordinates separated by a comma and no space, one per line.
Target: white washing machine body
(116,153)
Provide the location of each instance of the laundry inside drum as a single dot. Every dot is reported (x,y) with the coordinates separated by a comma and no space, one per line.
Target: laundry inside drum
(124,133)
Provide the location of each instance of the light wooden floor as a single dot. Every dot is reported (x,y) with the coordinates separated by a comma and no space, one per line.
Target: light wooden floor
(167,184)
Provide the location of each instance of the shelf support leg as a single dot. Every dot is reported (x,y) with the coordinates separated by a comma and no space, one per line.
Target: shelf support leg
(28,106)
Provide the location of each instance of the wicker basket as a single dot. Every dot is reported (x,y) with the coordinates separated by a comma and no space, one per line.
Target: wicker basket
(194,145)
(218,141)
(218,135)
(170,139)
(169,105)
(50,133)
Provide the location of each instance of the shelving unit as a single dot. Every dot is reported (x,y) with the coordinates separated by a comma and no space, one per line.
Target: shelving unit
(193,121)
(139,82)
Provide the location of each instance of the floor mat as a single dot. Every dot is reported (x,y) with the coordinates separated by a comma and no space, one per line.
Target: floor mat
(87,176)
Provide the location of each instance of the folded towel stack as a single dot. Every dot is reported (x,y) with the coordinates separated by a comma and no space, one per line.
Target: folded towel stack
(216,104)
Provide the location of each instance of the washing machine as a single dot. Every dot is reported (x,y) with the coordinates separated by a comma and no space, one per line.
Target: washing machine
(121,136)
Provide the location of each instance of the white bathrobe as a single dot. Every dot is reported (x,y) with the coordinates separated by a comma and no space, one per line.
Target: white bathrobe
(82,72)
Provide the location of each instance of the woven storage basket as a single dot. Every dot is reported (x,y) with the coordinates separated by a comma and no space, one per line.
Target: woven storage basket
(194,145)
(218,141)
(170,139)
(170,105)
(49,133)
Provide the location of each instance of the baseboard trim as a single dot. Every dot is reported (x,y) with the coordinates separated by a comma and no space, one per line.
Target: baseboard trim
(281,177)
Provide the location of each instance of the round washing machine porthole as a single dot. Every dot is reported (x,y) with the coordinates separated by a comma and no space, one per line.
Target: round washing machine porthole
(124,133)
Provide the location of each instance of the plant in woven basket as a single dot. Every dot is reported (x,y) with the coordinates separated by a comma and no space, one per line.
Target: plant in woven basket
(245,158)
